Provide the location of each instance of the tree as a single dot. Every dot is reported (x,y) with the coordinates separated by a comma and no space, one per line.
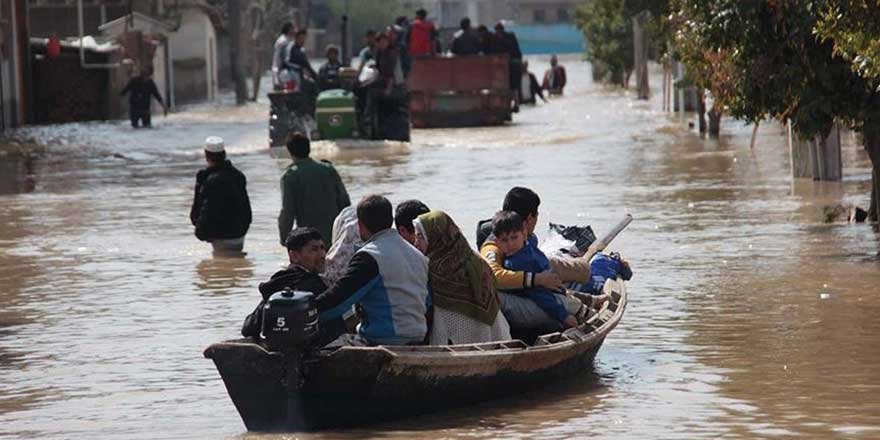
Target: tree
(779,68)
(706,67)
(853,27)
(609,39)
(608,30)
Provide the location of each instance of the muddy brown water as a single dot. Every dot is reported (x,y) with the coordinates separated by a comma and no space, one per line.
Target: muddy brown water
(749,318)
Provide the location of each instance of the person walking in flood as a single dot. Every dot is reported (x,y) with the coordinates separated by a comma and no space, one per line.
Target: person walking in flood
(312,193)
(140,90)
(555,78)
(221,209)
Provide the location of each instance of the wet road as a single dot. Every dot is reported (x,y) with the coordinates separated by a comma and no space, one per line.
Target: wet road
(748,316)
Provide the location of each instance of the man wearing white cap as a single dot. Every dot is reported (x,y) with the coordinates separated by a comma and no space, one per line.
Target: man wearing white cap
(221,209)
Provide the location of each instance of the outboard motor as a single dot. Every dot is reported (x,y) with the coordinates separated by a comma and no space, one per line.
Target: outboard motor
(290,320)
(290,325)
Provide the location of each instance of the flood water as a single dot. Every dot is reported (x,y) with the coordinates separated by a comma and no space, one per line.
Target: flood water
(748,316)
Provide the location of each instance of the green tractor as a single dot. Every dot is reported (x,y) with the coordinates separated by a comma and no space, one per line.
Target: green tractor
(359,110)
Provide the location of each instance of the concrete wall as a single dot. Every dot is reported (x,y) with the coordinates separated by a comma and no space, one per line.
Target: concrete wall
(194,58)
(543,11)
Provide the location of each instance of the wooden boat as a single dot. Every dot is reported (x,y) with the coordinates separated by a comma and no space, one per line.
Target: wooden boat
(350,386)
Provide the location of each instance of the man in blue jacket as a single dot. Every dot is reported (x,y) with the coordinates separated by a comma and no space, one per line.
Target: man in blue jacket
(387,279)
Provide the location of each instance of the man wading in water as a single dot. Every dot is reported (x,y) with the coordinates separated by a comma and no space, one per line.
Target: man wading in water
(221,209)
(140,89)
(312,194)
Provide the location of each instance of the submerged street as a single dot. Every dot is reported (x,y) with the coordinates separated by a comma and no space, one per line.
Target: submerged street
(748,316)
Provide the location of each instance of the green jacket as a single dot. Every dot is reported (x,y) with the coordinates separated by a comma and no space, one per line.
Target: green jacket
(312,194)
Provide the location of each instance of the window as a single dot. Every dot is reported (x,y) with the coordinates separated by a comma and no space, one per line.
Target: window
(539,16)
(563,15)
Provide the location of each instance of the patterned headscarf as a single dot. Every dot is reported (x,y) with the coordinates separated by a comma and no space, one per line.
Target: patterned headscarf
(460,280)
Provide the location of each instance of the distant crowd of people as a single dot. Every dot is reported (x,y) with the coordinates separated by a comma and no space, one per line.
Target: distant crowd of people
(395,276)
(393,49)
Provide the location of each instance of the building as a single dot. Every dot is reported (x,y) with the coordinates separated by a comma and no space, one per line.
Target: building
(447,13)
(542,12)
(185,57)
(542,26)
(146,43)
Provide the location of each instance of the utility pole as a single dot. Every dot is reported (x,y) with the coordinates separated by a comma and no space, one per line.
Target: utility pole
(235,51)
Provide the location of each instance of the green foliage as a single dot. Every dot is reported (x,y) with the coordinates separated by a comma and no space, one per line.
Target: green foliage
(763,59)
(607,27)
(607,34)
(854,28)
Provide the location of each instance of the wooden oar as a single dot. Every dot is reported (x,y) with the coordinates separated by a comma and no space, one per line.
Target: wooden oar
(600,245)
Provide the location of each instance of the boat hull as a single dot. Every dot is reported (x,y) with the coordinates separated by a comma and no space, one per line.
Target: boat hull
(353,386)
(353,396)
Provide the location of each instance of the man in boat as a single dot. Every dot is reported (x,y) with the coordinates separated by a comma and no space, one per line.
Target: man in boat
(554,78)
(465,41)
(529,87)
(387,279)
(328,74)
(221,209)
(312,193)
(404,215)
(306,252)
(521,311)
(522,253)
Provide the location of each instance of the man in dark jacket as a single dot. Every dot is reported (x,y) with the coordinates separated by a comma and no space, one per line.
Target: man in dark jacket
(510,45)
(221,210)
(312,193)
(297,60)
(140,91)
(306,253)
(465,41)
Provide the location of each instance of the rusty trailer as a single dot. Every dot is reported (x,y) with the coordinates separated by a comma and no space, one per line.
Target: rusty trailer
(351,386)
(460,91)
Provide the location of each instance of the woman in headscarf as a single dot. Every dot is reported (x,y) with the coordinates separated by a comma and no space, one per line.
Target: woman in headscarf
(345,242)
(466,304)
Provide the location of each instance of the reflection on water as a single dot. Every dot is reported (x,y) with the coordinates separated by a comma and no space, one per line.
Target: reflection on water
(749,317)
(17,173)
(224,272)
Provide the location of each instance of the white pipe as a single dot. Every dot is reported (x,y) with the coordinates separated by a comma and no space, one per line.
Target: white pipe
(82,49)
